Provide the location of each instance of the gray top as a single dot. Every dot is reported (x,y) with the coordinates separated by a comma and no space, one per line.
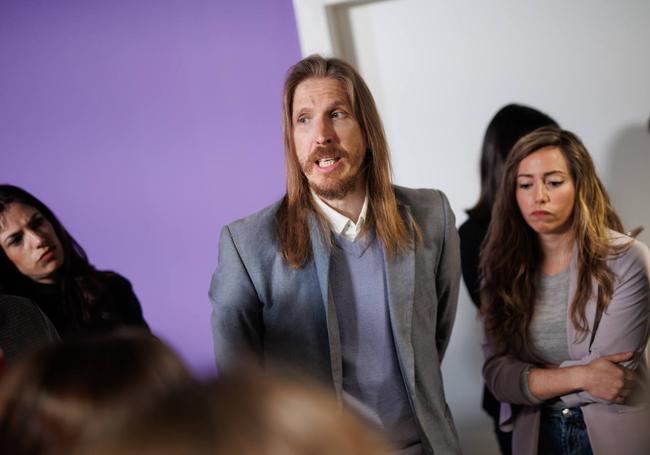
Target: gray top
(547,330)
(372,380)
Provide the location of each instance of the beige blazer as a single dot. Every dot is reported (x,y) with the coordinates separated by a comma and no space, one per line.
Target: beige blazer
(624,327)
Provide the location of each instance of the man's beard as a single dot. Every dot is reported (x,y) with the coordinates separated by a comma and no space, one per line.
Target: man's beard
(339,188)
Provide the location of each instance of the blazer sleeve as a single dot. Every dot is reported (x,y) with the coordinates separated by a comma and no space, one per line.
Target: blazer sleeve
(447,279)
(504,373)
(237,326)
(625,323)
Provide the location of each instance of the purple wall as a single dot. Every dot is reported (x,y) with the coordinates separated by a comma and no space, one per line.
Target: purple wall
(146,126)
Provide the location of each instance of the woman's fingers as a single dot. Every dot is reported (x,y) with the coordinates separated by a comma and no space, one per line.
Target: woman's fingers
(624,393)
(609,380)
(630,375)
(619,357)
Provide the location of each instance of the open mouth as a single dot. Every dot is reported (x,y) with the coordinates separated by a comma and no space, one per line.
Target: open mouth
(326,162)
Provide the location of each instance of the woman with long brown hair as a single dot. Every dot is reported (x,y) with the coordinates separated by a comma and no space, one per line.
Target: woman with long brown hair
(565,299)
(509,124)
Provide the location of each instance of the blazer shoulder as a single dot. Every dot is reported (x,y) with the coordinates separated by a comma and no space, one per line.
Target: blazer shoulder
(260,224)
(633,254)
(254,237)
(419,197)
(429,207)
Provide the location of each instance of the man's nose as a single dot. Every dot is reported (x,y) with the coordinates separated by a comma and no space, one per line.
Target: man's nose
(324,133)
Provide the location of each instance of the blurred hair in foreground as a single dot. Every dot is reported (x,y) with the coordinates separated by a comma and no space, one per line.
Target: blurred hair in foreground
(244,412)
(58,394)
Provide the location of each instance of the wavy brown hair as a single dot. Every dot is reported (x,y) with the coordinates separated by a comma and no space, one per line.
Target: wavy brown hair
(293,216)
(511,256)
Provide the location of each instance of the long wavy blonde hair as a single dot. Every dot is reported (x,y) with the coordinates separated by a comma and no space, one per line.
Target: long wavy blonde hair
(510,259)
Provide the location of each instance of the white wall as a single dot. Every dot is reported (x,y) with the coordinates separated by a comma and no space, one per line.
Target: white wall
(439,70)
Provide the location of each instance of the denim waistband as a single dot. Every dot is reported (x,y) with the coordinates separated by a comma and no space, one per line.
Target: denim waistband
(563,413)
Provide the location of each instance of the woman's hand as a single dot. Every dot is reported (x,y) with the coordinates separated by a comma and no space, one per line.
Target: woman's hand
(604,378)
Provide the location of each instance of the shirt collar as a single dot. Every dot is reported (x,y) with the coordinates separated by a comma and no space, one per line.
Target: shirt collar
(339,223)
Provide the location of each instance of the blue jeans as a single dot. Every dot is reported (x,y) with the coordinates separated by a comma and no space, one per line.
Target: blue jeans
(563,432)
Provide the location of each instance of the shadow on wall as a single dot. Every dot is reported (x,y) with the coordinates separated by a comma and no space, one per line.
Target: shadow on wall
(627,177)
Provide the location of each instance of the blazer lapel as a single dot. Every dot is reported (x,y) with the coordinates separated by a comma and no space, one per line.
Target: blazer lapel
(321,252)
(400,280)
(580,344)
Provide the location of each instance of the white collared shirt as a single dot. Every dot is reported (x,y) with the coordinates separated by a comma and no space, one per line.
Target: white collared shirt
(341,224)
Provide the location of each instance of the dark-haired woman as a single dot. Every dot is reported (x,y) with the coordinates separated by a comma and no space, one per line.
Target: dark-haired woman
(509,124)
(565,299)
(40,260)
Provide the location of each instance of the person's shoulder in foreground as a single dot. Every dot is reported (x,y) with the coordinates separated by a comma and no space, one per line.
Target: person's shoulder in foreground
(22,326)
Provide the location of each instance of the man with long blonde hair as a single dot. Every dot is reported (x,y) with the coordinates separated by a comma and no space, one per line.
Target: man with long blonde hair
(348,278)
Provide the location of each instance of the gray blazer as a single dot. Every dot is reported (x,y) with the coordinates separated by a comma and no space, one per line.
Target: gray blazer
(624,327)
(262,306)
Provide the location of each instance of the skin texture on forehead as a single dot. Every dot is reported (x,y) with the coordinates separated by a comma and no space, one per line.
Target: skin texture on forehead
(314,89)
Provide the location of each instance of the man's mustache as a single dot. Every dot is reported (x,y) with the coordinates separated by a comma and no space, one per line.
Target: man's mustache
(327,152)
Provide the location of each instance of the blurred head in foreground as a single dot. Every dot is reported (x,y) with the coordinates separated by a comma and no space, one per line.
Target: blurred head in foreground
(58,394)
(243,413)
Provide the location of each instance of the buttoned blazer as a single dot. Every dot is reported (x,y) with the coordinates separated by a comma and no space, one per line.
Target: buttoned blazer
(263,307)
(623,327)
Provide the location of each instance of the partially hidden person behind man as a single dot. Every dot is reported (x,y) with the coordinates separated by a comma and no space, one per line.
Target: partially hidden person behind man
(508,125)
(348,279)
